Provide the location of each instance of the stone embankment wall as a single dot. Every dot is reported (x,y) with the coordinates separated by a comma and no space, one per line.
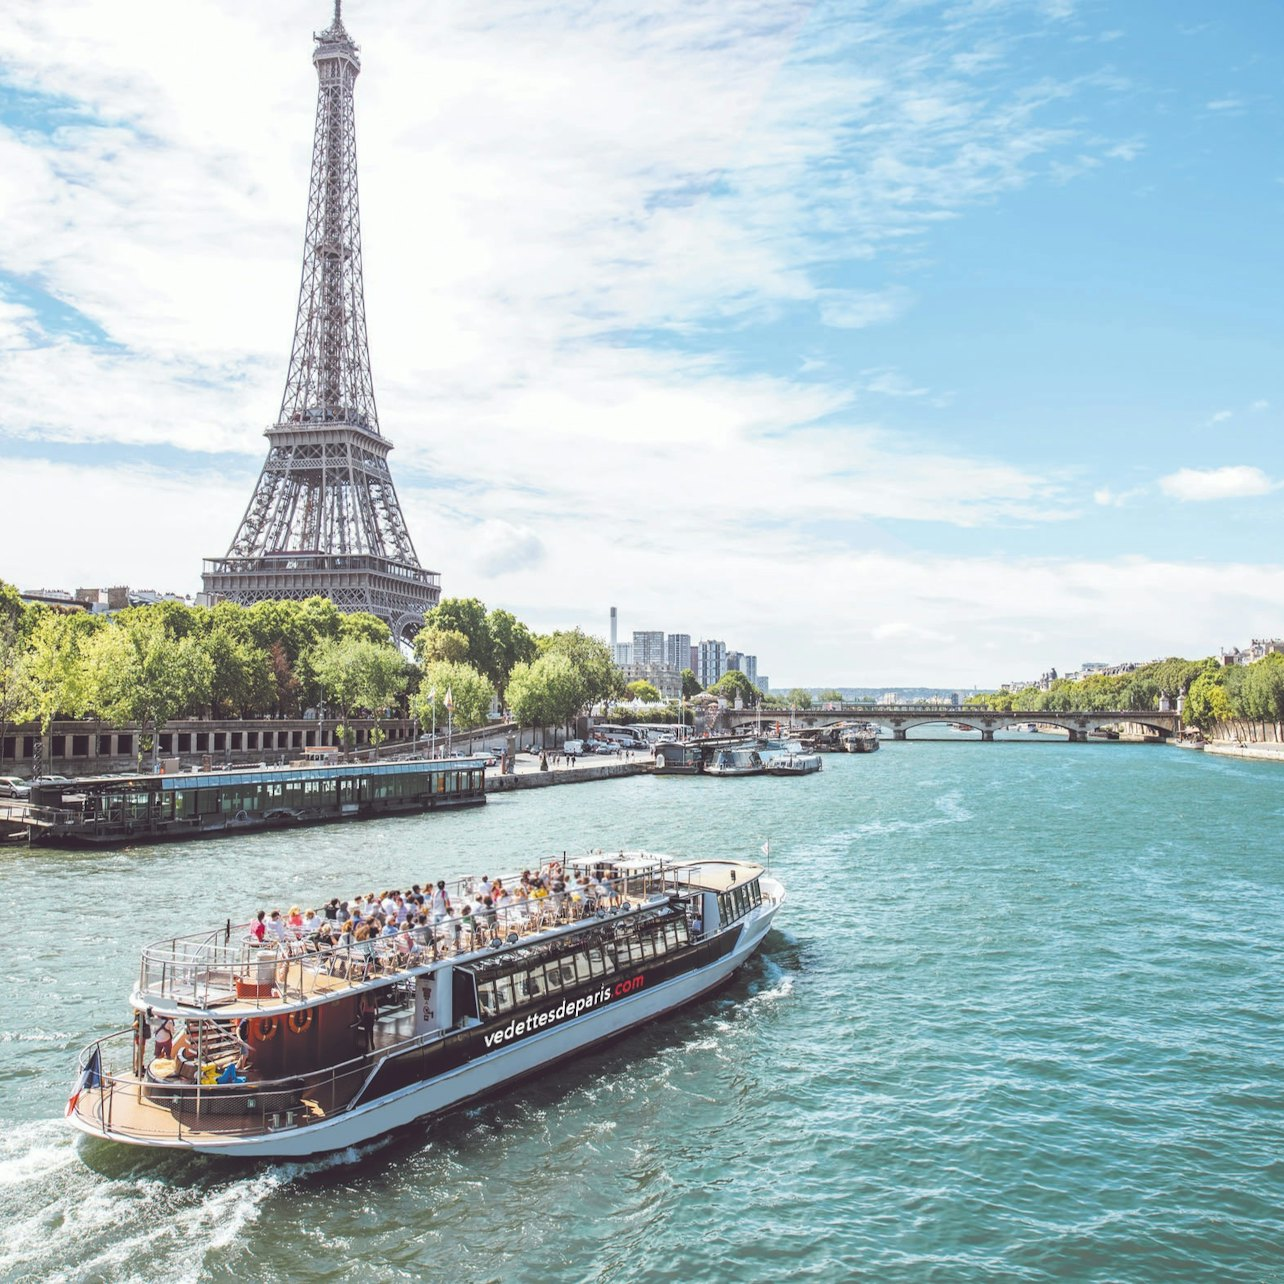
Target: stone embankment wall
(495,783)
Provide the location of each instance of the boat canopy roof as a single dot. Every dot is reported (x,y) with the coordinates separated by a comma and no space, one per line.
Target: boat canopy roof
(167,782)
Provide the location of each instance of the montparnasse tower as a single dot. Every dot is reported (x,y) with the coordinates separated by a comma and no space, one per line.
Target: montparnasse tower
(324,519)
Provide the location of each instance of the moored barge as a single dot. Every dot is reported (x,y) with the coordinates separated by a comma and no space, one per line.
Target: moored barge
(159,807)
(318,1048)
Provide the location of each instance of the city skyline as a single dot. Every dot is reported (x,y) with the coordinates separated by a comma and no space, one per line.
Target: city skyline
(926,345)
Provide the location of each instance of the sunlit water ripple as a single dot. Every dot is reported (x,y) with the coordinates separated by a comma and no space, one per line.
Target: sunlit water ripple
(1020,1021)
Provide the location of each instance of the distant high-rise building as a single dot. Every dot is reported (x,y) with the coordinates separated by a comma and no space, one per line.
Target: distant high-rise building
(711,661)
(614,622)
(622,653)
(739,662)
(677,650)
(763,684)
(648,647)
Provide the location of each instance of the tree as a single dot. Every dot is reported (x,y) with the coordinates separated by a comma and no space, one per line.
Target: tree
(690,684)
(832,696)
(547,692)
(436,644)
(1208,702)
(53,670)
(734,685)
(241,679)
(511,642)
(14,693)
(362,626)
(135,670)
(599,678)
(470,694)
(1263,690)
(465,615)
(286,686)
(642,690)
(799,699)
(359,674)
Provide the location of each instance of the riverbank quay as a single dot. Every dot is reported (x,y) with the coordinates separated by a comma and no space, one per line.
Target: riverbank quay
(1237,749)
(527,773)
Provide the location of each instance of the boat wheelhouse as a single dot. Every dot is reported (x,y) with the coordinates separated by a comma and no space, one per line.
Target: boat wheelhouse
(294,1048)
(157,807)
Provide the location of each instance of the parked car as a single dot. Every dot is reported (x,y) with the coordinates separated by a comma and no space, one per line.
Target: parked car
(573,747)
(14,787)
(50,780)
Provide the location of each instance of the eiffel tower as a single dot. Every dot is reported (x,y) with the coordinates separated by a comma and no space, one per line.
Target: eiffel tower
(324,519)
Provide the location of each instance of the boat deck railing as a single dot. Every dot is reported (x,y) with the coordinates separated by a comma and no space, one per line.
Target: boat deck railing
(132,1105)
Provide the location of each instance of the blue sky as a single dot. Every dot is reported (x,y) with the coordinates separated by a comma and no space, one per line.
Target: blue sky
(895,342)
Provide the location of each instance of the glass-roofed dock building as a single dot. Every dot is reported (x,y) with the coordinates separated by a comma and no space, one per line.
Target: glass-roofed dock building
(152,808)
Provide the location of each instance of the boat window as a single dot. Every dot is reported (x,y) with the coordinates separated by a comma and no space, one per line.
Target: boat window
(504,992)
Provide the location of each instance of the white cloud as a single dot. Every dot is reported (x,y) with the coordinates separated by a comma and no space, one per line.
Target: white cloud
(1258,406)
(1232,482)
(856,309)
(1220,417)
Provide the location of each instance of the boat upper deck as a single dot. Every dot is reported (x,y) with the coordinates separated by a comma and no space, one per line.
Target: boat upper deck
(232,971)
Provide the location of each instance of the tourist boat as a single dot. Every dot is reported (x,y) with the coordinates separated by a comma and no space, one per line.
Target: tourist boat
(793,764)
(342,1044)
(158,807)
(859,739)
(735,762)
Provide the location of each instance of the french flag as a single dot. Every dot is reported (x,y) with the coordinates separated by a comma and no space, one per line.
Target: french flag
(90,1077)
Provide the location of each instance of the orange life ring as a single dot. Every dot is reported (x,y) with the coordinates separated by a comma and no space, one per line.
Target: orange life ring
(300,1020)
(264,1028)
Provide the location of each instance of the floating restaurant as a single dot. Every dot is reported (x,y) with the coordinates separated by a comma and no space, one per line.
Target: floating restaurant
(160,807)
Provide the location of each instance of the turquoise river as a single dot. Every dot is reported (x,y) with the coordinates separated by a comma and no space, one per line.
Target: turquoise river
(1020,1021)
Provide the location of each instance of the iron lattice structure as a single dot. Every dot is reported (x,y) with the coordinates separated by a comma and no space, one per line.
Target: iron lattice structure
(324,519)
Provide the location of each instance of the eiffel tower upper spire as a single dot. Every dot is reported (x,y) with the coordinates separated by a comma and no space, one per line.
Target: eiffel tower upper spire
(329,379)
(324,518)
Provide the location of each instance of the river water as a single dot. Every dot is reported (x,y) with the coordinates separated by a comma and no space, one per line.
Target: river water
(1020,1020)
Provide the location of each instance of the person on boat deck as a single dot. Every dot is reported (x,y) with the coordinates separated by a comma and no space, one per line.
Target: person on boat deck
(245,1054)
(275,927)
(331,910)
(389,929)
(440,902)
(164,1035)
(367,1011)
(295,919)
(259,930)
(311,923)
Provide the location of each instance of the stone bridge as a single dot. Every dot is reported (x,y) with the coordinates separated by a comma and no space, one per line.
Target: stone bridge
(901,718)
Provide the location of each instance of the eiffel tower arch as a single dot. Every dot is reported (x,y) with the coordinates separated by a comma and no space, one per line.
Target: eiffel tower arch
(324,519)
